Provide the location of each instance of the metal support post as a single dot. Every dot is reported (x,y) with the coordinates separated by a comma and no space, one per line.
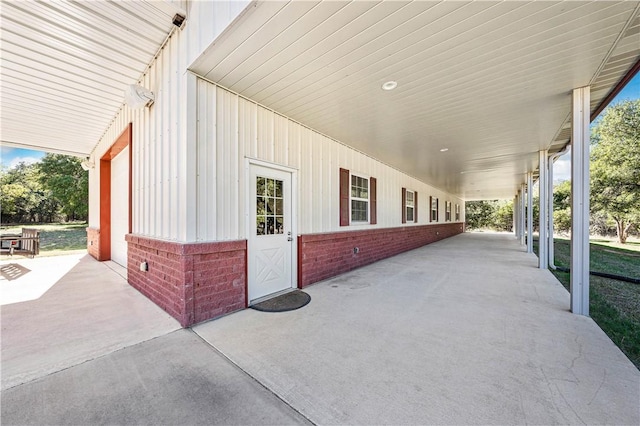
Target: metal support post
(550,246)
(580,137)
(522,214)
(530,212)
(544,212)
(516,225)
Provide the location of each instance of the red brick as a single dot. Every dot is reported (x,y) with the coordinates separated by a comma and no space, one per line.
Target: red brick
(326,255)
(184,279)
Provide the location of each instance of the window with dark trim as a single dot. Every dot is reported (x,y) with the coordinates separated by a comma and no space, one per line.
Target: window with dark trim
(358,201)
(433,203)
(409,206)
(447,211)
(457,212)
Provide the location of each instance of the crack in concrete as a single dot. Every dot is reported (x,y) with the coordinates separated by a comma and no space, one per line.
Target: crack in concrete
(569,405)
(604,377)
(548,382)
(524,413)
(573,361)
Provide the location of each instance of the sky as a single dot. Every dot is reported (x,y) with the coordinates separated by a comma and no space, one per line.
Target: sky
(562,166)
(9,157)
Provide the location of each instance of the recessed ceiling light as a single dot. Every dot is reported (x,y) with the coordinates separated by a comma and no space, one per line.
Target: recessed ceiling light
(444,149)
(390,85)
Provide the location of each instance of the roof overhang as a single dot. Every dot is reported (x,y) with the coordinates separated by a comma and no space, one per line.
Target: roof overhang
(490,82)
(65,66)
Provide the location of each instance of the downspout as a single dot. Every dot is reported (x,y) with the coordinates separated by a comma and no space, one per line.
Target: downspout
(552,159)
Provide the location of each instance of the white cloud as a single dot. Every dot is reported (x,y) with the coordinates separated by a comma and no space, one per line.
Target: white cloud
(562,168)
(27,160)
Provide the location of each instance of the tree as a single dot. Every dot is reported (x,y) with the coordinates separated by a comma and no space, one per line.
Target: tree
(68,183)
(479,214)
(615,166)
(562,206)
(562,195)
(21,194)
(503,216)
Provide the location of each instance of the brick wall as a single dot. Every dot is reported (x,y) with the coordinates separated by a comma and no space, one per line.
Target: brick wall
(193,282)
(93,242)
(322,256)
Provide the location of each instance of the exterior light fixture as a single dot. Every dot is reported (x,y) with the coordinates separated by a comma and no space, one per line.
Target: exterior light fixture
(138,97)
(87,165)
(444,149)
(390,85)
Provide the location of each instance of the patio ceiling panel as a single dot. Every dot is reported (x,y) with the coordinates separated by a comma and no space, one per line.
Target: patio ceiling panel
(624,56)
(65,65)
(487,80)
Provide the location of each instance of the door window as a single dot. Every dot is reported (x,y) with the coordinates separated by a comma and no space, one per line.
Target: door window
(269,206)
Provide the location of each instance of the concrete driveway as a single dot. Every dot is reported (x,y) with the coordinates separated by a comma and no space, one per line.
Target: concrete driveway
(86,348)
(176,379)
(84,309)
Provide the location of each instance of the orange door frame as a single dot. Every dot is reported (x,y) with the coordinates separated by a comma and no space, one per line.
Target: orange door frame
(125,139)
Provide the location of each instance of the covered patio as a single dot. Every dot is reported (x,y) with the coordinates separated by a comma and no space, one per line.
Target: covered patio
(463,331)
(474,99)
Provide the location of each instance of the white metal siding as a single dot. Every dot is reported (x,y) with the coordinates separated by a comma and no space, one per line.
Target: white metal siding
(165,157)
(231,128)
(189,150)
(158,151)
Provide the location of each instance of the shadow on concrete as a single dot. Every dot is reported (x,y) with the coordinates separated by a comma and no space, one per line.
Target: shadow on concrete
(13,271)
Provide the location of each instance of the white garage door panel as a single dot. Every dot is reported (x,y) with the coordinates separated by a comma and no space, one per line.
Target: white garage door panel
(119,206)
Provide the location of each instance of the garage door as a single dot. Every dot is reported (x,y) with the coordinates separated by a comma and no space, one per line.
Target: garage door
(119,206)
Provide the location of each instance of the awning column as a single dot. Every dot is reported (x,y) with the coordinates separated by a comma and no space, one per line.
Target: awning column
(523,199)
(580,137)
(513,216)
(550,246)
(530,212)
(544,212)
(516,216)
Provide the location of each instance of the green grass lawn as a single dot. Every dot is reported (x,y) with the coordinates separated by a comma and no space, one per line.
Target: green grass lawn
(614,305)
(59,238)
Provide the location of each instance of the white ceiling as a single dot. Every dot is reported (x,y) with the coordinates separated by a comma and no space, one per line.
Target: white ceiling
(64,67)
(490,81)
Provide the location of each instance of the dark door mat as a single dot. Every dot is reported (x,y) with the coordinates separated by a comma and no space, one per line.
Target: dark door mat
(291,301)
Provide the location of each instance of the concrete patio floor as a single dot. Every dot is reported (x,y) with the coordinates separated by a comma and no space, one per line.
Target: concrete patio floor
(463,331)
(74,309)
(83,347)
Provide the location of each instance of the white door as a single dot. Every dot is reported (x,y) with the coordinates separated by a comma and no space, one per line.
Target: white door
(120,206)
(271,232)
